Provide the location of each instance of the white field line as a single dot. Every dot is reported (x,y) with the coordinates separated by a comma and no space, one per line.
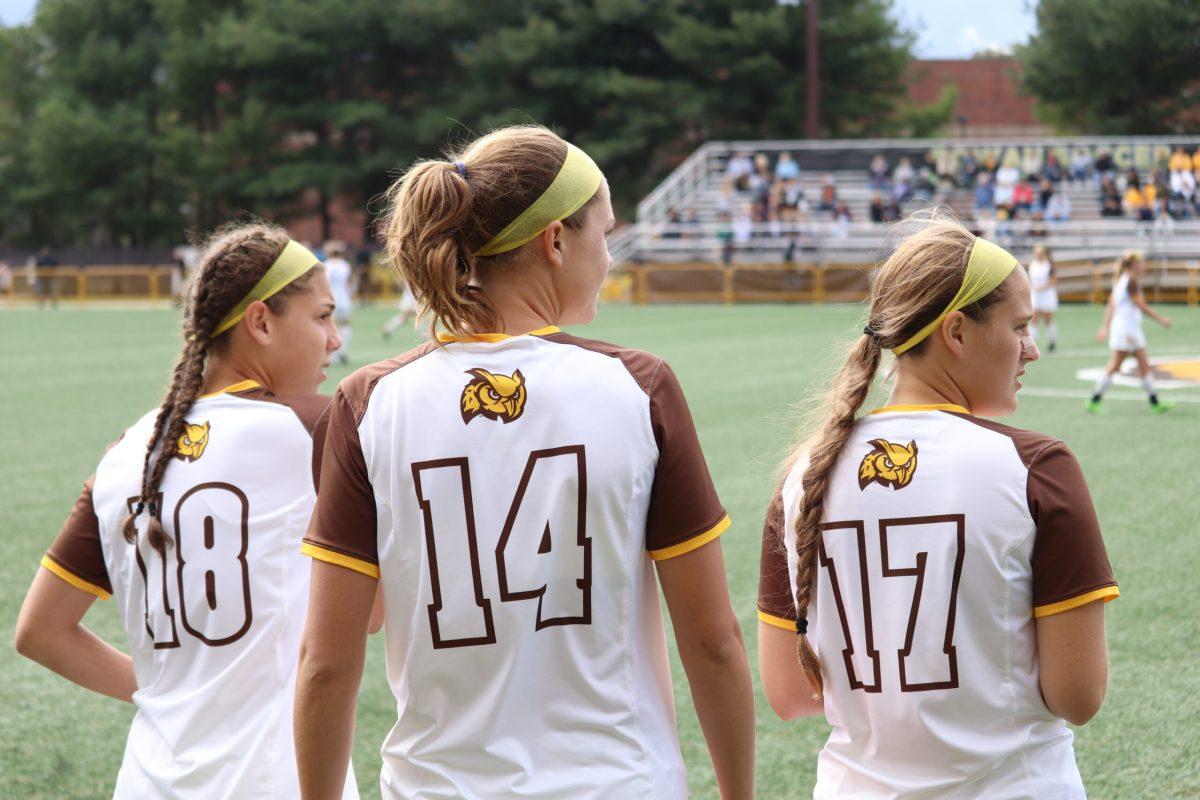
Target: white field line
(1084,394)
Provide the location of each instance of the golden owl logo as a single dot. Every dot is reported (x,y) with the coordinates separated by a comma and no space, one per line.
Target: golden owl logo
(888,464)
(193,441)
(493,396)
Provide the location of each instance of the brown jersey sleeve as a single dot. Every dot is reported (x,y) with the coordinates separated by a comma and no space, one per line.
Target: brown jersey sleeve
(776,605)
(343,527)
(1070,564)
(685,512)
(76,555)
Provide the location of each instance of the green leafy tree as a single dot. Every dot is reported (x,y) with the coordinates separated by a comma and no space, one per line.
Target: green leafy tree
(1112,66)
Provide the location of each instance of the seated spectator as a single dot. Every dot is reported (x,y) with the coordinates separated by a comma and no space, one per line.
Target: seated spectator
(1180,160)
(1132,178)
(1045,192)
(759,185)
(1058,208)
(970,168)
(1081,165)
(1105,166)
(1053,171)
(985,193)
(1111,207)
(1022,197)
(923,187)
(1031,165)
(947,166)
(743,225)
(904,171)
(1108,189)
(878,172)
(1006,178)
(902,192)
(788,199)
(878,212)
(1196,162)
(841,220)
(671,230)
(738,170)
(829,193)
(1135,204)
(1182,193)
(786,168)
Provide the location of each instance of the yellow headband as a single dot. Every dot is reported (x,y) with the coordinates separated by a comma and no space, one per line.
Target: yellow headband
(294,261)
(577,180)
(987,268)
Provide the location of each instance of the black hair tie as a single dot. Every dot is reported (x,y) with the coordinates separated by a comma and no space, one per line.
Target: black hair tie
(137,512)
(153,509)
(462,169)
(802,626)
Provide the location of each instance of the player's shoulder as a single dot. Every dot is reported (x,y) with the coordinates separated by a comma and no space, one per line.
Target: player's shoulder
(646,369)
(1029,445)
(306,408)
(357,387)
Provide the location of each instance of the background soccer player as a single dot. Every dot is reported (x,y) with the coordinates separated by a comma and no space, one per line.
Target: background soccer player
(192,524)
(1122,327)
(515,490)
(1044,286)
(944,572)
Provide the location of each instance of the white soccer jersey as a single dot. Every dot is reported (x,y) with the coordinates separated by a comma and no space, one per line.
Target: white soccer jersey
(1125,329)
(214,626)
(944,536)
(1040,272)
(340,275)
(511,493)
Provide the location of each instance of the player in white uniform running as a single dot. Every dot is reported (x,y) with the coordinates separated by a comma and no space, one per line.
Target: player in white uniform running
(192,524)
(1044,287)
(1122,327)
(944,572)
(340,279)
(515,490)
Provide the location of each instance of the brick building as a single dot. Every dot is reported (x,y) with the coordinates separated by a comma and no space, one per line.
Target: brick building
(989,102)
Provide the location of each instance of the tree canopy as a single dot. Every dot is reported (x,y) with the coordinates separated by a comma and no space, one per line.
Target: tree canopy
(130,122)
(1112,66)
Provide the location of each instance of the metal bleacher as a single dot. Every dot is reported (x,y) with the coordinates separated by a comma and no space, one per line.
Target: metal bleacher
(1083,246)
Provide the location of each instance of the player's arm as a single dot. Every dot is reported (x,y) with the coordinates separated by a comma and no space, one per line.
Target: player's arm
(1102,334)
(332,651)
(714,658)
(788,692)
(1073,662)
(49,632)
(1139,300)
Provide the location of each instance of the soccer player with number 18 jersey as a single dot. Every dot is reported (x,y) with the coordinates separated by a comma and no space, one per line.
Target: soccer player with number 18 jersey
(192,525)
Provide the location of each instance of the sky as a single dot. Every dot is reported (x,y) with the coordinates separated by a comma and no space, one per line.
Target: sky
(945,28)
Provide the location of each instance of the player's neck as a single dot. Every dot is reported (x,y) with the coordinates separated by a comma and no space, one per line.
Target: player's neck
(923,388)
(521,308)
(223,371)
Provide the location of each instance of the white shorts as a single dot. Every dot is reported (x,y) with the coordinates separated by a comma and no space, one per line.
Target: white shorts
(1045,300)
(1126,338)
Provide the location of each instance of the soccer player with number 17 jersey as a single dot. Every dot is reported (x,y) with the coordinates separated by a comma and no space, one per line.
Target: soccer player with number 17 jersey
(945,573)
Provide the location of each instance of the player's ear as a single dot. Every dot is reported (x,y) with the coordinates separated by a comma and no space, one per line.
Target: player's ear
(550,243)
(953,331)
(258,322)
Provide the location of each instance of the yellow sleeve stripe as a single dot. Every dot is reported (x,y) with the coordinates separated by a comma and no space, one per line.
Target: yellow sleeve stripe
(73,579)
(778,622)
(692,543)
(341,559)
(1107,594)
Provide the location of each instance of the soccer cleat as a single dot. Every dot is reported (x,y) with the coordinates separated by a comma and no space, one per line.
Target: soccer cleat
(1092,406)
(1161,407)
(1050,347)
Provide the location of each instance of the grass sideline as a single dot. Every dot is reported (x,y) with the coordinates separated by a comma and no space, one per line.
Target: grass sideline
(71,380)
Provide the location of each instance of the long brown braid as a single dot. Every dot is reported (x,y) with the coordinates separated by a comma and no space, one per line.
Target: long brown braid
(235,259)
(912,287)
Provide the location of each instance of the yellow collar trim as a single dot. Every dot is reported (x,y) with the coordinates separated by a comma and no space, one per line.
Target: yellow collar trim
(240,386)
(495,337)
(930,407)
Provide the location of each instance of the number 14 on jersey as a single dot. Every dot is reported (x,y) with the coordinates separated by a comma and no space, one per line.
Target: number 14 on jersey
(543,553)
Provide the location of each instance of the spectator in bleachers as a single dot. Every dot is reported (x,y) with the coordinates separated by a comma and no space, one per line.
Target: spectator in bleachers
(1045,192)
(968,168)
(1058,208)
(743,225)
(1022,198)
(841,220)
(945,166)
(788,200)
(904,171)
(760,182)
(985,194)
(786,168)
(674,219)
(1105,167)
(1135,202)
(878,172)
(829,193)
(1031,165)
(1053,171)
(1110,198)
(877,209)
(738,170)
(923,186)
(1180,160)
(1183,192)
(1081,165)
(1196,163)
(1006,178)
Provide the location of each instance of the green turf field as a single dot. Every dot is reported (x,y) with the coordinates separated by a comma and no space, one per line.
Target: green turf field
(71,380)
